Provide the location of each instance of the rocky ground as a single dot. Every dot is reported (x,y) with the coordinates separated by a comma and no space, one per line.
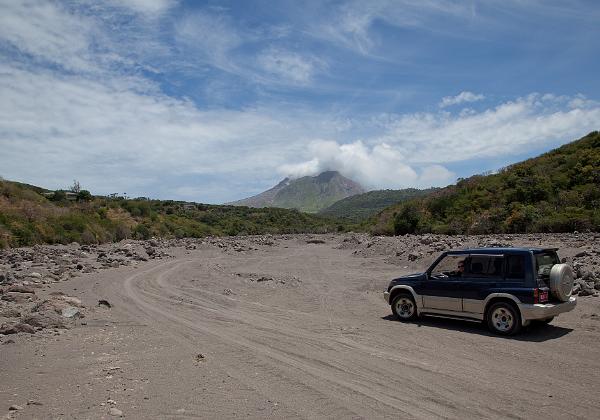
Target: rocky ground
(271,327)
(580,250)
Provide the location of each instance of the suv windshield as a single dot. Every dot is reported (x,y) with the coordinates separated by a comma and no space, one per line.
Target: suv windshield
(544,262)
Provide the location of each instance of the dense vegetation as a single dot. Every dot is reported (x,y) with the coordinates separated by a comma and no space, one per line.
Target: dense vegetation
(362,206)
(556,192)
(28,217)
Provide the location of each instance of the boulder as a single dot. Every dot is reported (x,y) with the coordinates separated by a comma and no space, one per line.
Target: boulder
(71,312)
(20,289)
(46,319)
(115,412)
(10,313)
(18,297)
(413,256)
(16,327)
(72,300)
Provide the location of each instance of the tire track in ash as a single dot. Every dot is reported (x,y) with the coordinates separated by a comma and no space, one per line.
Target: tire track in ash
(408,408)
(299,361)
(302,394)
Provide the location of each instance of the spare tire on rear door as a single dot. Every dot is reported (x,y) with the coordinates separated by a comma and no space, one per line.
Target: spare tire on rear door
(561,281)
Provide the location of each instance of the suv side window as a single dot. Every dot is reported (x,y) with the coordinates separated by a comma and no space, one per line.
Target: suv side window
(485,267)
(515,267)
(448,268)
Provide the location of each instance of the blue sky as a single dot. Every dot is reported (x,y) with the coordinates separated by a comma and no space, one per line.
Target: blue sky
(215,101)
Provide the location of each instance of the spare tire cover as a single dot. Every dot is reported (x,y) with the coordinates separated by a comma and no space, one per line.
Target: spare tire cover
(561,281)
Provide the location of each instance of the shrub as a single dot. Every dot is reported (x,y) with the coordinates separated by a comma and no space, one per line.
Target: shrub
(122,231)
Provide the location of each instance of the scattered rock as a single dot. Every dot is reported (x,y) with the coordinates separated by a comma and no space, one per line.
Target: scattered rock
(315,241)
(115,412)
(44,319)
(413,256)
(18,297)
(10,313)
(228,292)
(15,407)
(71,312)
(20,289)
(72,300)
(103,302)
(15,328)
(9,342)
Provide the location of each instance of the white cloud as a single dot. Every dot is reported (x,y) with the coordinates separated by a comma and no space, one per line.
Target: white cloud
(47,32)
(289,66)
(350,24)
(461,98)
(511,128)
(216,41)
(380,166)
(148,7)
(414,149)
(211,37)
(119,137)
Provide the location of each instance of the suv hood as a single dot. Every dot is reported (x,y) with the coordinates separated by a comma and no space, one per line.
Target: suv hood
(408,279)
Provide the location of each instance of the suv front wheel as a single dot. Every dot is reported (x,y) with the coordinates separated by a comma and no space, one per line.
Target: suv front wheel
(503,318)
(404,308)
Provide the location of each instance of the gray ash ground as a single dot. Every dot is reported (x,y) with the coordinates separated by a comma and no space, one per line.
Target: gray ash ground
(27,275)
(276,326)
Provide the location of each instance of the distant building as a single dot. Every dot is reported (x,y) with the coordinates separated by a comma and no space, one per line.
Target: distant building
(69,195)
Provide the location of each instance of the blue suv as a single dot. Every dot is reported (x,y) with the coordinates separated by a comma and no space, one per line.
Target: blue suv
(507,288)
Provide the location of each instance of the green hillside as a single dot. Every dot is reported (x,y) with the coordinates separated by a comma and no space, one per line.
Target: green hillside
(558,191)
(28,217)
(362,206)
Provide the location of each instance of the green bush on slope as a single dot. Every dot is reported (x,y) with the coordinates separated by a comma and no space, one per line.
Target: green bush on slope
(558,191)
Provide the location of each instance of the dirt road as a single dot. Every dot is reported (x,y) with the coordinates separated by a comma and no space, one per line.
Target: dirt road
(294,330)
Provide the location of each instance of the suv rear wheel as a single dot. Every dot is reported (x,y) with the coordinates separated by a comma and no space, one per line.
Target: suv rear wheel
(404,308)
(503,318)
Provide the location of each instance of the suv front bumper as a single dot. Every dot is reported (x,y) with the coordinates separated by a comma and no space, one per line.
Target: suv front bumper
(546,310)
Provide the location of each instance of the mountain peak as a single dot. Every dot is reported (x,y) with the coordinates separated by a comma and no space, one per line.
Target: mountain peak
(327,176)
(309,193)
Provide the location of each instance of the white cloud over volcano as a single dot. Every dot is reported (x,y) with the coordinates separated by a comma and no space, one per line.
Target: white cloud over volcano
(380,166)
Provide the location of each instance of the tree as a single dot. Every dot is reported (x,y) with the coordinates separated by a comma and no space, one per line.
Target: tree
(406,220)
(59,195)
(76,187)
(84,195)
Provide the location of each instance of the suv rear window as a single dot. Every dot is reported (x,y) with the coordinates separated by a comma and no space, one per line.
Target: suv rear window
(544,262)
(484,266)
(515,267)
